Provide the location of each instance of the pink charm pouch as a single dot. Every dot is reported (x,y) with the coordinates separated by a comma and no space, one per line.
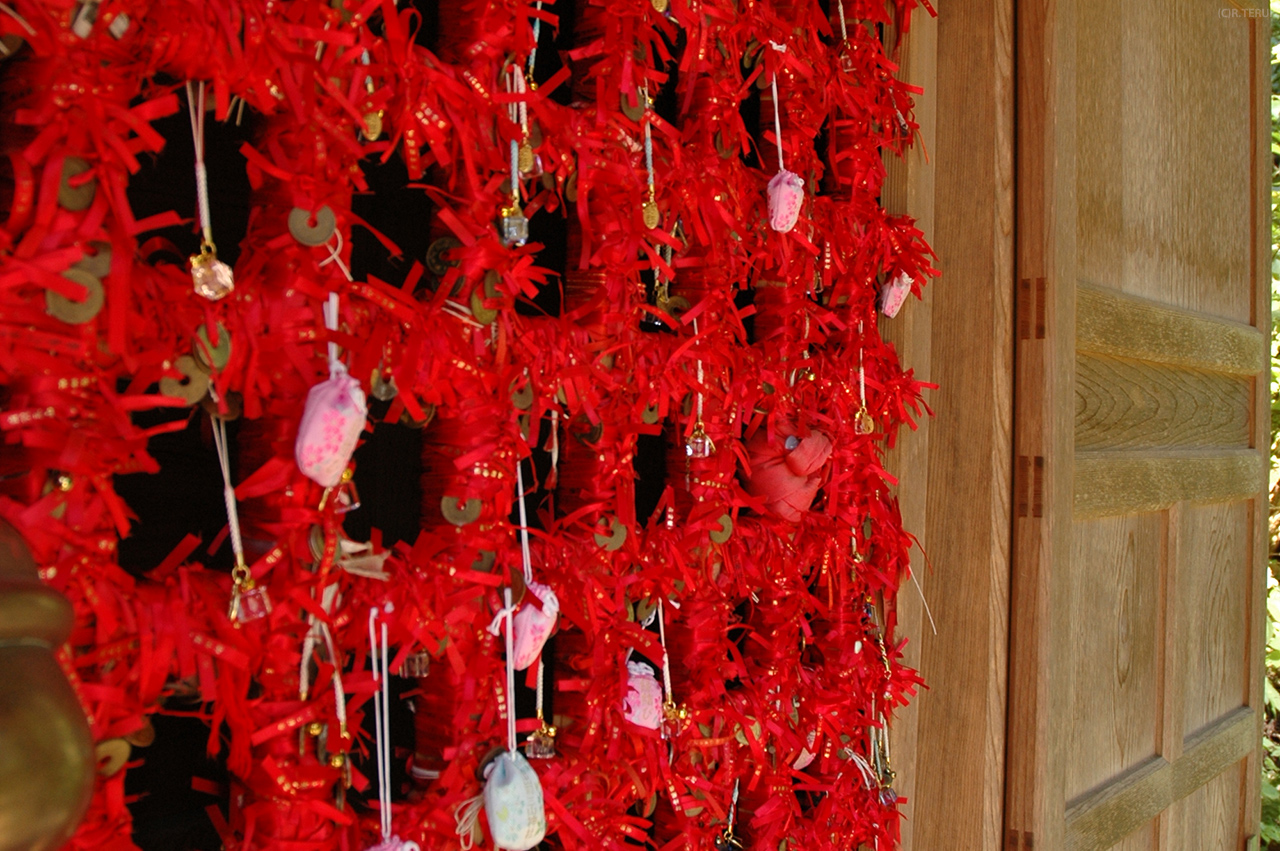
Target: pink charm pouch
(786,195)
(894,294)
(330,427)
(533,626)
(643,703)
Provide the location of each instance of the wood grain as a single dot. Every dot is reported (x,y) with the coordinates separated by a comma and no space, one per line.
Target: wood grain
(961,716)
(1111,323)
(1217,544)
(1163,139)
(1152,480)
(1115,605)
(1099,819)
(1125,404)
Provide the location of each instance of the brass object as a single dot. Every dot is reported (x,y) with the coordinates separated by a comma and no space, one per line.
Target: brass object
(305,232)
(522,397)
(78,197)
(486,290)
(571,188)
(660,6)
(484,561)
(112,754)
(97,264)
(435,260)
(524,157)
(615,539)
(208,355)
(76,312)
(193,389)
(649,416)
(46,774)
(725,530)
(636,112)
(652,215)
(372,126)
(863,423)
(459,513)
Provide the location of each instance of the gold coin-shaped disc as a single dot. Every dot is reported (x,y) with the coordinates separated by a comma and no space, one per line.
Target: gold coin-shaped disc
(615,539)
(76,312)
(524,157)
(190,390)
(312,234)
(522,397)
(459,513)
(97,264)
(660,6)
(75,197)
(208,355)
(649,416)
(435,260)
(372,125)
(633,111)
(721,534)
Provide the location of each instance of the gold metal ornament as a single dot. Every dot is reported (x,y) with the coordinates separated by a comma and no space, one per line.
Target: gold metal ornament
(372,126)
(863,422)
(613,541)
(459,513)
(76,312)
(191,390)
(524,157)
(651,214)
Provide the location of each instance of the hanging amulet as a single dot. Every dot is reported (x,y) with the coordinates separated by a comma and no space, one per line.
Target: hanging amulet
(660,6)
(651,214)
(249,601)
(372,126)
(699,444)
(210,277)
(524,157)
(863,423)
(541,743)
(515,227)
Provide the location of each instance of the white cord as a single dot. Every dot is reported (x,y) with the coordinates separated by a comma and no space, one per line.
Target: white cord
(648,141)
(511,675)
(382,718)
(228,492)
(524,525)
(195,107)
(331,323)
(862,375)
(666,662)
(335,256)
(698,397)
(844,30)
(777,119)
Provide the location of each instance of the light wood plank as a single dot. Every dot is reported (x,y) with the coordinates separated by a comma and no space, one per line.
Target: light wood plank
(1124,482)
(1129,404)
(1099,819)
(962,713)
(1111,323)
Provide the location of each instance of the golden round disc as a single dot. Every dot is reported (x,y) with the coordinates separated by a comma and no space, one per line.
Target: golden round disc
(372,125)
(78,197)
(208,355)
(615,539)
(76,312)
(312,234)
(192,389)
(459,513)
(649,416)
(660,6)
(725,530)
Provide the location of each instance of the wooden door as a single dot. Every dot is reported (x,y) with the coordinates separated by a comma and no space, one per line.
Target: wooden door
(1140,407)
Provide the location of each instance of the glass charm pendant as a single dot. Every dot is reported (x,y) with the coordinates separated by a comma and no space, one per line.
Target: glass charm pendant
(515,227)
(541,743)
(210,277)
(699,444)
(417,665)
(249,601)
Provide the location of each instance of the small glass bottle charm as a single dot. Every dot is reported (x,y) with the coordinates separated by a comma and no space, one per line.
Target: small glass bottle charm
(417,665)
(249,601)
(699,444)
(541,743)
(210,277)
(515,227)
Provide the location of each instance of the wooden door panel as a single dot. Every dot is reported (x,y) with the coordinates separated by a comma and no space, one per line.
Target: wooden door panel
(1140,427)
(1115,604)
(1162,96)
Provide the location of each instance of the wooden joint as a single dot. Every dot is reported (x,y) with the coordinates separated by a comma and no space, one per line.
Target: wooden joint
(1029,486)
(1031,307)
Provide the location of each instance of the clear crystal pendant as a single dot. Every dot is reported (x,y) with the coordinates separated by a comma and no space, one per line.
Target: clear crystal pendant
(417,665)
(210,277)
(515,227)
(249,601)
(699,444)
(541,743)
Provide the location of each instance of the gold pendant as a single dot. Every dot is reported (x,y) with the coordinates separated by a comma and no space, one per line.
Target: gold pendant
(652,216)
(863,423)
(660,6)
(525,157)
(372,125)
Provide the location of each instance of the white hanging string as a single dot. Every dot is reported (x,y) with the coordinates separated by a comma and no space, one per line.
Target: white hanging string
(336,257)
(666,662)
(511,674)
(844,29)
(228,492)
(524,528)
(648,142)
(382,717)
(777,118)
(533,51)
(339,693)
(467,816)
(862,375)
(698,395)
(32,30)
(195,108)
